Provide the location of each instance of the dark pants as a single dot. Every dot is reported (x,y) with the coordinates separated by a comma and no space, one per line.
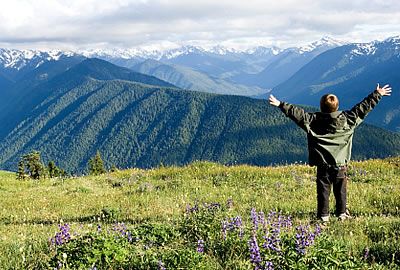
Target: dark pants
(326,177)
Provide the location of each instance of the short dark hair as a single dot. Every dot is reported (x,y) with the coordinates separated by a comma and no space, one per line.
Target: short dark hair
(329,103)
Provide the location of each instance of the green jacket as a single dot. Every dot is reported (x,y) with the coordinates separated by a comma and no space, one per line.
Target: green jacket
(330,135)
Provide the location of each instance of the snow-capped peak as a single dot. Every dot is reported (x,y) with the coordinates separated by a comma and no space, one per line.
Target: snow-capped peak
(184,50)
(260,50)
(121,53)
(17,59)
(324,43)
(394,40)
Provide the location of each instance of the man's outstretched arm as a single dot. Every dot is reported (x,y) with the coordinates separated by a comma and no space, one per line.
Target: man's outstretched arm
(298,115)
(360,111)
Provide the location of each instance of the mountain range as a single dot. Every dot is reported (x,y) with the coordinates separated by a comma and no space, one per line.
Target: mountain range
(248,67)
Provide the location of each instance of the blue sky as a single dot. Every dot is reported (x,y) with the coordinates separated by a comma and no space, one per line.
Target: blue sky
(84,24)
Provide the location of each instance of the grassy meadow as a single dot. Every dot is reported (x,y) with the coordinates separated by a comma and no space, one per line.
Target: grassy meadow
(169,207)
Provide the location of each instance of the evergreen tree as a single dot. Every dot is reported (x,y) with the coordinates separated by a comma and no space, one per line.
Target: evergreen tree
(53,170)
(96,165)
(34,165)
(21,170)
(113,168)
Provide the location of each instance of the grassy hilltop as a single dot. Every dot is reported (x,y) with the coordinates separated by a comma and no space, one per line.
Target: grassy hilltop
(187,218)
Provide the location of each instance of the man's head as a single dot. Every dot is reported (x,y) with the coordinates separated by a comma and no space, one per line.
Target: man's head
(329,103)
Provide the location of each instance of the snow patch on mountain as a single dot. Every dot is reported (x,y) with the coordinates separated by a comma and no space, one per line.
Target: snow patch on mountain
(364,49)
(390,44)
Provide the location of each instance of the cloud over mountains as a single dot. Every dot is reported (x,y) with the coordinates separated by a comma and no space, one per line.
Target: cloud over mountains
(129,23)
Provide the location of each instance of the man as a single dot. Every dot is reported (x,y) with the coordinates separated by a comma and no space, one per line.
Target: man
(330,134)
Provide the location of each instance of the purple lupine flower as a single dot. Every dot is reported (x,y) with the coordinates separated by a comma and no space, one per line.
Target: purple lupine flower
(200,246)
(276,219)
(212,206)
(120,228)
(366,253)
(129,237)
(98,228)
(190,209)
(272,239)
(239,225)
(254,219)
(224,228)
(288,222)
(161,265)
(269,266)
(63,236)
(304,238)
(255,256)
(231,225)
(318,230)
(261,217)
(271,217)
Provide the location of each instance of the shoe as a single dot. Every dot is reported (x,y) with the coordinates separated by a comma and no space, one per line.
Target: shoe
(344,216)
(324,219)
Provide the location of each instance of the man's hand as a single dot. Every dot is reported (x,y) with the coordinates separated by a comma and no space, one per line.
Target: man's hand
(273,101)
(384,91)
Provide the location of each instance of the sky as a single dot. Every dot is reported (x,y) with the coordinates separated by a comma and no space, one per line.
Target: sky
(91,24)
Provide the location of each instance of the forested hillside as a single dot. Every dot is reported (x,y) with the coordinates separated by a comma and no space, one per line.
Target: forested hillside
(53,79)
(134,124)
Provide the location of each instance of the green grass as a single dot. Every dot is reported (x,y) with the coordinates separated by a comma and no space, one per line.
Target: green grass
(30,211)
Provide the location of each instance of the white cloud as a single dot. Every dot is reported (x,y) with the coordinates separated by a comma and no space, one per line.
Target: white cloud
(127,23)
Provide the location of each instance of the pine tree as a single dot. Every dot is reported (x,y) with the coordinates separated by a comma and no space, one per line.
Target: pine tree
(53,170)
(21,170)
(34,165)
(113,168)
(96,165)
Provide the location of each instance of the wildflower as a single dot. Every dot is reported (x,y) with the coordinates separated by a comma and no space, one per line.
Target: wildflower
(269,266)
(212,206)
(129,236)
(271,217)
(255,256)
(121,229)
(261,217)
(224,228)
(239,225)
(304,238)
(62,236)
(161,265)
(193,209)
(366,253)
(231,225)
(200,246)
(318,230)
(272,240)
(254,219)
